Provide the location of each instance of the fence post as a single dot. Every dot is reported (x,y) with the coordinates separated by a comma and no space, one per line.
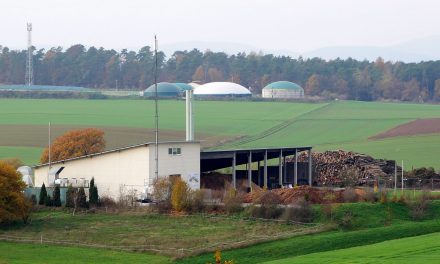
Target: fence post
(41,238)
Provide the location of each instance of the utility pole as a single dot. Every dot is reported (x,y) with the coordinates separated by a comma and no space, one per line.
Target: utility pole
(395,177)
(402,176)
(156,116)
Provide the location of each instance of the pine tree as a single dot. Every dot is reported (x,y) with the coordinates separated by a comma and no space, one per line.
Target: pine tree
(81,198)
(70,197)
(48,201)
(57,196)
(43,195)
(93,193)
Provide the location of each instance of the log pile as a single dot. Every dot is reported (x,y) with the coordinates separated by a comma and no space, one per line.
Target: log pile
(329,165)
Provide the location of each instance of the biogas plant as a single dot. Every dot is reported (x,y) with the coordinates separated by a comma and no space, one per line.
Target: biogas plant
(275,90)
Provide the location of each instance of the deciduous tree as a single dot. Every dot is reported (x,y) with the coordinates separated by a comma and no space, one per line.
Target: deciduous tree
(75,143)
(13,203)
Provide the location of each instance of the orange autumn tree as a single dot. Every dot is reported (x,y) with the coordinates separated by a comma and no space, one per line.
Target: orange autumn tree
(13,204)
(75,143)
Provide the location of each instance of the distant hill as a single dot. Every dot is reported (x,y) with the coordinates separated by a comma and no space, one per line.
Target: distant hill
(423,49)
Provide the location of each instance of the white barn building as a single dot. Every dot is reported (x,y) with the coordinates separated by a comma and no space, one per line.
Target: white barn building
(130,168)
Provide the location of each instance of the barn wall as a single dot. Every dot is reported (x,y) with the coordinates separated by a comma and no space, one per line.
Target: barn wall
(110,170)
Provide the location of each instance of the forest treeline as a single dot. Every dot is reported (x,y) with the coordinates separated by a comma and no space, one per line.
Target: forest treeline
(108,69)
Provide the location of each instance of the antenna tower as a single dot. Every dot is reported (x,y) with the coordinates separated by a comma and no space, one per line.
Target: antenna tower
(29,78)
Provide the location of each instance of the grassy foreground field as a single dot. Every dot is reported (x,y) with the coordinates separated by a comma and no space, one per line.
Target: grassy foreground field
(22,253)
(335,125)
(371,223)
(421,249)
(162,234)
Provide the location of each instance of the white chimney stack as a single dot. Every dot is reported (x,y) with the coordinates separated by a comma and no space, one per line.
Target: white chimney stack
(189,116)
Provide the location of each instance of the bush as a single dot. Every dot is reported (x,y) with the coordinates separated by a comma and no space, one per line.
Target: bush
(370,196)
(268,206)
(197,201)
(107,202)
(162,194)
(233,202)
(383,197)
(180,195)
(48,201)
(346,221)
(93,193)
(301,211)
(33,199)
(81,199)
(418,207)
(349,195)
(70,197)
(43,195)
(57,197)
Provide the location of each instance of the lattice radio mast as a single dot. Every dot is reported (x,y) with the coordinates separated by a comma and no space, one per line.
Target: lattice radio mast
(29,78)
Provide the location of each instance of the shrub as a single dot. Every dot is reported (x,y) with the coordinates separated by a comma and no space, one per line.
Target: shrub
(107,202)
(70,197)
(197,201)
(301,211)
(93,193)
(349,195)
(370,196)
(419,206)
(346,221)
(81,199)
(233,202)
(57,197)
(327,210)
(48,201)
(180,195)
(268,206)
(33,199)
(43,195)
(162,194)
(383,196)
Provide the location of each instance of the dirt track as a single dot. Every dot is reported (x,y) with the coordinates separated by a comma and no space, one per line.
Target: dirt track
(416,127)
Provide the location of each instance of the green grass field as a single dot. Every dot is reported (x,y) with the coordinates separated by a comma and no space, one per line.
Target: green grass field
(372,223)
(335,125)
(171,235)
(22,253)
(419,249)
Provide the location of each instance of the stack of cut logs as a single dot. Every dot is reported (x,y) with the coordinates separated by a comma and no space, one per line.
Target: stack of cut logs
(329,165)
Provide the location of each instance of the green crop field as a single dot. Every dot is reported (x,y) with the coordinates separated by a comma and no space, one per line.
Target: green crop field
(420,249)
(335,125)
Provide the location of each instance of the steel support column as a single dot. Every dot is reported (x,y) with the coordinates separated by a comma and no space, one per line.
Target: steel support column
(250,170)
(280,169)
(265,169)
(234,179)
(295,173)
(310,167)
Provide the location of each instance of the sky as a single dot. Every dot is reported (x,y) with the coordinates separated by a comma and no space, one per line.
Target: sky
(293,25)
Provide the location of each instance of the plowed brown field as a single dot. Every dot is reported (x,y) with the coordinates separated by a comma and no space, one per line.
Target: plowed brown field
(416,127)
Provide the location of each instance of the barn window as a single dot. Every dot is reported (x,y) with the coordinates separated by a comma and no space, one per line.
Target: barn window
(174,151)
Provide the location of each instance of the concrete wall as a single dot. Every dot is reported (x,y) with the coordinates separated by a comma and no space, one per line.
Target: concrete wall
(282,93)
(110,170)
